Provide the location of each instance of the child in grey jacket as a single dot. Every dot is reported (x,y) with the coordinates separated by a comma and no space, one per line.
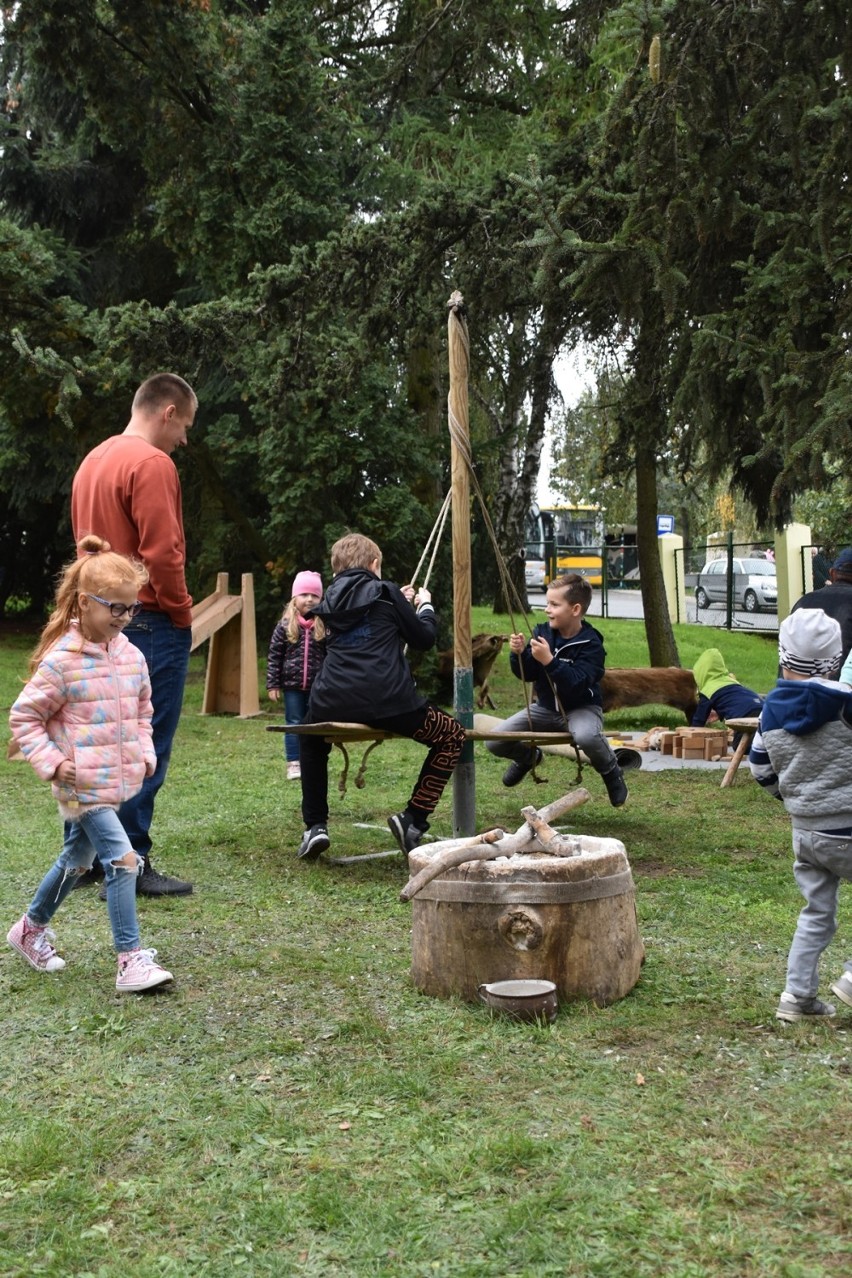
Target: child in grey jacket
(802,754)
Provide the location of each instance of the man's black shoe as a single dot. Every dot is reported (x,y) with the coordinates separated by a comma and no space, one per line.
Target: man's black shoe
(151,883)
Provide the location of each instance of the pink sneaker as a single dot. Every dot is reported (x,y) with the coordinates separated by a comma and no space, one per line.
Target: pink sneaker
(36,945)
(138,972)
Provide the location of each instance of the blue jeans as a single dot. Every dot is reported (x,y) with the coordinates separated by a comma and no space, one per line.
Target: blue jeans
(165,648)
(295,709)
(97,834)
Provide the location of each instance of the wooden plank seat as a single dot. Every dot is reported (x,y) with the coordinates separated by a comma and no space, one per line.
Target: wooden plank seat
(343,734)
(335,732)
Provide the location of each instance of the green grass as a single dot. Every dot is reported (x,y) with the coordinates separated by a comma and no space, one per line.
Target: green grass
(294,1106)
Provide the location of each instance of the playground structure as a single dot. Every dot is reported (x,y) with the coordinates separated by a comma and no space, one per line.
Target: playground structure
(228,621)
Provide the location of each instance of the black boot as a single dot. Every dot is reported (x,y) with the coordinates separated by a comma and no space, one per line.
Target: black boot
(615,787)
(516,771)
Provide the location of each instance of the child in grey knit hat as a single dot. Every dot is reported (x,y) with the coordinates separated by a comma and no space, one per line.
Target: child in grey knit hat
(802,754)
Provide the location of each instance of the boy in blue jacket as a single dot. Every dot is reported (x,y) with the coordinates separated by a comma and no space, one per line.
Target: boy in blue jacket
(564,659)
(801,754)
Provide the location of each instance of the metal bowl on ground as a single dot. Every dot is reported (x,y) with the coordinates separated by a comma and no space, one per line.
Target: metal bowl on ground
(521,1000)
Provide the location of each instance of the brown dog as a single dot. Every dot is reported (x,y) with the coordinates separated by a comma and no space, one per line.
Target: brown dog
(654,685)
(485,649)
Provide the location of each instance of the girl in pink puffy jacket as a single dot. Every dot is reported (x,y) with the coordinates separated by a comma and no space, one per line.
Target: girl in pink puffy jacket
(84,723)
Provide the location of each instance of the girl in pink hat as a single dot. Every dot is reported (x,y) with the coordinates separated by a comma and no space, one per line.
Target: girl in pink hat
(296,652)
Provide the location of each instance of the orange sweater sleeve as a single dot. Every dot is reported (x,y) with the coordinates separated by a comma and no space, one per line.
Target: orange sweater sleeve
(156,512)
(128,492)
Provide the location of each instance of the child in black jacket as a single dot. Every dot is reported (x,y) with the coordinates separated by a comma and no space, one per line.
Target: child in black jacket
(365,678)
(565,660)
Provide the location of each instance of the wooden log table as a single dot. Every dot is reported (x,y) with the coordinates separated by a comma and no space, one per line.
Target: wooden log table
(747,727)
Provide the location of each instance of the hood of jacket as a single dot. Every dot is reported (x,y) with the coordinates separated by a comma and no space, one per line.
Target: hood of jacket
(801,706)
(348,598)
(711,673)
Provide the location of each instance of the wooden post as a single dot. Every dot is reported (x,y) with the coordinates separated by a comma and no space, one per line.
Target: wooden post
(230,682)
(464,780)
(249,698)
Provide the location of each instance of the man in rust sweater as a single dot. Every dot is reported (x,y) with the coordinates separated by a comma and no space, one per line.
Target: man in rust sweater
(127,490)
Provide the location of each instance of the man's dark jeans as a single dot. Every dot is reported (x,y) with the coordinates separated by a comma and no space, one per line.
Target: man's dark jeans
(165,648)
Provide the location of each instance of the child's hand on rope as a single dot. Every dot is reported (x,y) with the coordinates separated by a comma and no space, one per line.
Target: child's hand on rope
(541,650)
(423,596)
(517,643)
(408,592)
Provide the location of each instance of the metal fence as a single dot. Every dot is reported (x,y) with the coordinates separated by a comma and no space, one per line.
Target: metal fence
(739,592)
(733,586)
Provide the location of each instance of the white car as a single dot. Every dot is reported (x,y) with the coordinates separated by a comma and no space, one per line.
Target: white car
(755,585)
(535,574)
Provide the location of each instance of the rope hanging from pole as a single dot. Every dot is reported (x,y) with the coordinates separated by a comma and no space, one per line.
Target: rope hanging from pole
(435,535)
(460,440)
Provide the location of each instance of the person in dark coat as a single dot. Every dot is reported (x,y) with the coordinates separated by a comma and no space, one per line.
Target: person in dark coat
(835,599)
(565,660)
(296,652)
(366,678)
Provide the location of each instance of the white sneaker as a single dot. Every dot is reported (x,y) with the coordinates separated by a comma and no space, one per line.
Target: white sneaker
(36,945)
(791,1008)
(138,972)
(294,771)
(843,988)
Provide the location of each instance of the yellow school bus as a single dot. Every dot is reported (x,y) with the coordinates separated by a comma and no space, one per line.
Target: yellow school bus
(564,539)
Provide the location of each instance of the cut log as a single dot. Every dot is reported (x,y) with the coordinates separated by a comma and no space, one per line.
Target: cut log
(528,916)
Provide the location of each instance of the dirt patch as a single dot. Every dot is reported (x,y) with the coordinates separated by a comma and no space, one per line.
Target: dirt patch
(659,869)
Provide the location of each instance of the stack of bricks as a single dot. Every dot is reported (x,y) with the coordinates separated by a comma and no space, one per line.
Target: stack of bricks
(697,743)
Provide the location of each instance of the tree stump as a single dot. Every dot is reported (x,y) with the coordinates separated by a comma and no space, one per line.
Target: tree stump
(568,919)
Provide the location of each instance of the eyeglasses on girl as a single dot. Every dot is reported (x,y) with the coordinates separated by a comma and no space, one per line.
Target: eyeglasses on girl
(117,610)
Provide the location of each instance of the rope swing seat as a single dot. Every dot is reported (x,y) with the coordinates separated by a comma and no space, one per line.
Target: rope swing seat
(343,734)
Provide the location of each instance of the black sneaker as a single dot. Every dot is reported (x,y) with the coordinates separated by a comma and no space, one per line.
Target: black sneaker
(516,771)
(314,842)
(406,833)
(151,883)
(615,787)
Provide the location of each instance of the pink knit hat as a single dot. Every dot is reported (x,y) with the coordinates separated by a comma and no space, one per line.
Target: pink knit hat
(307,583)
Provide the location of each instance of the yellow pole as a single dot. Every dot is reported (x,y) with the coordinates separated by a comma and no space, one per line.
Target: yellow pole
(464,781)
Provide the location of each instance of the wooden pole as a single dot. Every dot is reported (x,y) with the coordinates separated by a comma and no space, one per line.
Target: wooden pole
(464,779)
